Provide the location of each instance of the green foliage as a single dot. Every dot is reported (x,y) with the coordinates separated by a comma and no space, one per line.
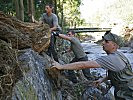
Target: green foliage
(72,13)
(7,6)
(68,13)
(39,8)
(67,10)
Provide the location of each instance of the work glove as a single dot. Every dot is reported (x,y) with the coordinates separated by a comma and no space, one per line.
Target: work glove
(55,33)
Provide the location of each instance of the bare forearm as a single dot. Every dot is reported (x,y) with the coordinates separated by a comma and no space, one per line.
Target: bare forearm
(80,65)
(64,37)
(53,29)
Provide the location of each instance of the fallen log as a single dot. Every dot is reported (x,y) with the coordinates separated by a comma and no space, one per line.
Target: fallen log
(24,35)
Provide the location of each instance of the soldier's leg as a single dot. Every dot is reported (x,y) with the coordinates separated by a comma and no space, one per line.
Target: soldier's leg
(86,72)
(51,49)
(71,74)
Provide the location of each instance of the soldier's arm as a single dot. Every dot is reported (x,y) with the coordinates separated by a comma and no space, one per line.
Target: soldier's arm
(77,65)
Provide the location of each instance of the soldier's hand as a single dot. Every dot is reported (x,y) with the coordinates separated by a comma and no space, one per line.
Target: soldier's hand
(55,33)
(97,82)
(56,65)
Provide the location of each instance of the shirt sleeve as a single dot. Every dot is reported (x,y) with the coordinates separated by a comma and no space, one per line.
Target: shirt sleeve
(111,62)
(55,21)
(106,63)
(72,39)
(75,40)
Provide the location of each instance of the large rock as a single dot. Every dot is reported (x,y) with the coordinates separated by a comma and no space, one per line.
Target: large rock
(36,83)
(24,35)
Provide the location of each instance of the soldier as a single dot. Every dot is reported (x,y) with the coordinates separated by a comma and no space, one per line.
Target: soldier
(119,69)
(79,54)
(52,20)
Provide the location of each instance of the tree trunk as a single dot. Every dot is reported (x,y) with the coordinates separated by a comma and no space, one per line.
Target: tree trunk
(17,8)
(55,7)
(21,10)
(62,15)
(28,6)
(31,10)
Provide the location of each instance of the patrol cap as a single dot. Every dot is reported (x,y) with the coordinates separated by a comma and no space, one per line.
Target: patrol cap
(113,37)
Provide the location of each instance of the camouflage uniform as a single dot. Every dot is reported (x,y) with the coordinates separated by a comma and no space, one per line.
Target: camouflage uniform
(122,81)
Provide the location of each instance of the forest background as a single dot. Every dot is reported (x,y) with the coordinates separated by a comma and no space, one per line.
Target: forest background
(71,12)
